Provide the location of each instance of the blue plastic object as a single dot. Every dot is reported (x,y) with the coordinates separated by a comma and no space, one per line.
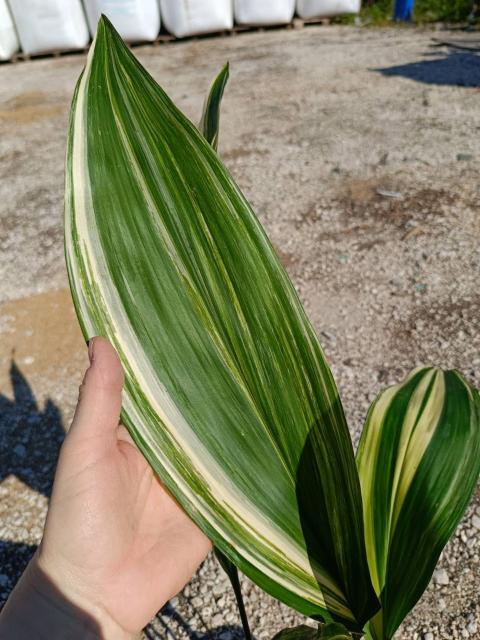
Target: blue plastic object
(403,9)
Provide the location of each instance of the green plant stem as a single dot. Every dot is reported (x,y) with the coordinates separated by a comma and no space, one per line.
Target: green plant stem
(232,572)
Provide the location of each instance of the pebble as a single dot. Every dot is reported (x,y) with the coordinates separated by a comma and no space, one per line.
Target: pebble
(20,450)
(197,602)
(218,590)
(472,627)
(476,521)
(465,157)
(217,620)
(440,577)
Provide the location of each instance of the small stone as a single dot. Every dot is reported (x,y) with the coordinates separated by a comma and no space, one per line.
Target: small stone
(442,605)
(217,620)
(4,580)
(476,521)
(421,287)
(440,577)
(429,636)
(464,157)
(197,602)
(218,590)
(226,635)
(472,627)
(387,193)
(20,450)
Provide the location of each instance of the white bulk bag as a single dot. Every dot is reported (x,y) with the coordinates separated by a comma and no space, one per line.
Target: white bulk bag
(49,25)
(135,20)
(189,17)
(326,8)
(255,12)
(8,35)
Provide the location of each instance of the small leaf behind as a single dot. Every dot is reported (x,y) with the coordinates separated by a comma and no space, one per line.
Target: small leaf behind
(210,121)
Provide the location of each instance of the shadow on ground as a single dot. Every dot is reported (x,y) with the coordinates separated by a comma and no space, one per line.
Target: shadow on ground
(453,68)
(169,623)
(30,440)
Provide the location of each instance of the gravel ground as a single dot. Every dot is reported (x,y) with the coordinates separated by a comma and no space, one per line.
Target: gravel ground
(319,125)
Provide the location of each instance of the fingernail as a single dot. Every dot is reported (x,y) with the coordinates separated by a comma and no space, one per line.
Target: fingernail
(90,349)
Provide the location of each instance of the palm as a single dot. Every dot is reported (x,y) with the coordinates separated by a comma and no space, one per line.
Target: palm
(136,546)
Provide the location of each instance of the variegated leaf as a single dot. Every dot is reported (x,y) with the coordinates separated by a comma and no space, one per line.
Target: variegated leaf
(419,461)
(227,392)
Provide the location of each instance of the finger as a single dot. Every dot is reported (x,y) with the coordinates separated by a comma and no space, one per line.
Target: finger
(100,400)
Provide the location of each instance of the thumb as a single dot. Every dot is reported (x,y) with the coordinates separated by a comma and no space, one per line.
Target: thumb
(100,400)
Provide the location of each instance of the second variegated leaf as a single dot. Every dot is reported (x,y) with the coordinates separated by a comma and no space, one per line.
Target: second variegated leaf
(418,461)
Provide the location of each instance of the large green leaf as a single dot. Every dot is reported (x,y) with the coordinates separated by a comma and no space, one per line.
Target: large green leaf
(227,392)
(419,461)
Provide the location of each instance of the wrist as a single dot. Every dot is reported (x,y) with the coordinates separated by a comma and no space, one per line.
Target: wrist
(39,607)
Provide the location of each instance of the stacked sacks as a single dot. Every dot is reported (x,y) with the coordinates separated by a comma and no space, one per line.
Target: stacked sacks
(326,8)
(252,12)
(135,20)
(190,17)
(49,25)
(8,35)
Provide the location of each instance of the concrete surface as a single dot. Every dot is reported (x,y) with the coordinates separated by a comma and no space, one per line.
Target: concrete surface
(315,123)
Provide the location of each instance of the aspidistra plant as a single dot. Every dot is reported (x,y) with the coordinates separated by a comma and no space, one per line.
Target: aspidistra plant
(227,392)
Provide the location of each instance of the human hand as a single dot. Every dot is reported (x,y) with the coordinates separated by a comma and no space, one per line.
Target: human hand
(116,544)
